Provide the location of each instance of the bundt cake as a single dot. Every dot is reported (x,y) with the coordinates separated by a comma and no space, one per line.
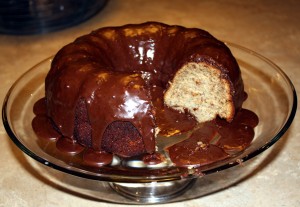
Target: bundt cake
(116,88)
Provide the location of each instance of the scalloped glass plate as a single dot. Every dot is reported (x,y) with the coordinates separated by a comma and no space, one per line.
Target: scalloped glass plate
(271,96)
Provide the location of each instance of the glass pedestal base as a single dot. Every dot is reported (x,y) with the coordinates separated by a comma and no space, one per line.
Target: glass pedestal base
(154,192)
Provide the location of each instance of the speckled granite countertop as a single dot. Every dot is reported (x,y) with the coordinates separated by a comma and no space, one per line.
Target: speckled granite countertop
(269,27)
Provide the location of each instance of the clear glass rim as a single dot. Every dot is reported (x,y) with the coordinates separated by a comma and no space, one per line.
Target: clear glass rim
(150,178)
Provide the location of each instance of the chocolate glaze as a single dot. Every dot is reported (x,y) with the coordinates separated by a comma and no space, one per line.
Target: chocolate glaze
(215,140)
(40,107)
(43,128)
(97,158)
(113,74)
(67,145)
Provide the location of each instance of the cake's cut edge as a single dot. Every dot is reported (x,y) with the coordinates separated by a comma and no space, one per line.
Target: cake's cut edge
(201,89)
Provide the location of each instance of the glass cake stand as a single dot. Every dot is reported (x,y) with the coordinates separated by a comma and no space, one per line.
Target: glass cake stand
(271,96)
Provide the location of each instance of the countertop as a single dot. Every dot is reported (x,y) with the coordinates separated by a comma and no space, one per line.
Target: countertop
(269,27)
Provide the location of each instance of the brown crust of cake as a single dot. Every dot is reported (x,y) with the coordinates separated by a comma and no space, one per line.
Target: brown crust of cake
(123,139)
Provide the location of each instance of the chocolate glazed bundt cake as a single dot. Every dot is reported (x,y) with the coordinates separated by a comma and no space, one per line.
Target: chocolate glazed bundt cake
(114,89)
